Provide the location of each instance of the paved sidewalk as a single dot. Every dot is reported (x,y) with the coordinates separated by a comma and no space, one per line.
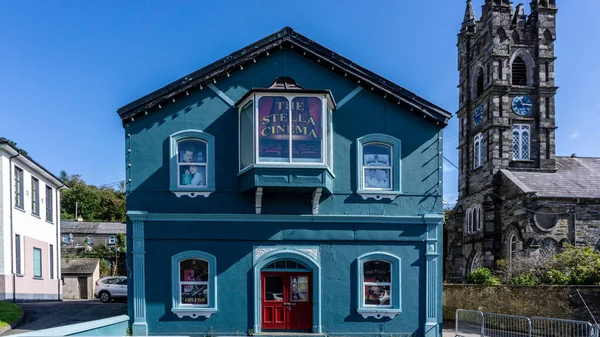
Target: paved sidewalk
(43,315)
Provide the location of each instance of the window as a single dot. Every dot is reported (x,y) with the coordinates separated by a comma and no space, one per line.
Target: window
(35,196)
(521,142)
(512,248)
(18,254)
(18,188)
(515,37)
(285,126)
(194,281)
(480,81)
(89,240)
(49,216)
(37,263)
(112,240)
(51,253)
(65,238)
(192,163)
(478,151)
(474,219)
(379,285)
(378,166)
(519,71)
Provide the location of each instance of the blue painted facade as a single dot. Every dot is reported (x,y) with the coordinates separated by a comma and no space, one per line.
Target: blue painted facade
(329,241)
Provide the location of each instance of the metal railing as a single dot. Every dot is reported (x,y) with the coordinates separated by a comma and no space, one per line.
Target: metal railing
(474,323)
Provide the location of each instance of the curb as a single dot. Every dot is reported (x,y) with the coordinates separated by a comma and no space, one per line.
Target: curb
(9,327)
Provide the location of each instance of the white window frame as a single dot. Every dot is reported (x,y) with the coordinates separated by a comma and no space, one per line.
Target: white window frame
(90,239)
(474,219)
(66,236)
(112,239)
(378,284)
(192,191)
(521,129)
(478,154)
(199,164)
(395,303)
(389,167)
(194,310)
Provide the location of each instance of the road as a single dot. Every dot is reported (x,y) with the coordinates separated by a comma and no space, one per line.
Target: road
(43,315)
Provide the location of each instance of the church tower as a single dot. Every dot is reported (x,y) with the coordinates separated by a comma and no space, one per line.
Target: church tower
(506,112)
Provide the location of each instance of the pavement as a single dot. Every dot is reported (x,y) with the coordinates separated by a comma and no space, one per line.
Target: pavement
(43,315)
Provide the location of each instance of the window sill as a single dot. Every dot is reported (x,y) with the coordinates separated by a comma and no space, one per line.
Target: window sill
(378,195)
(50,222)
(192,193)
(194,312)
(20,209)
(379,313)
(38,278)
(36,215)
(19,275)
(523,160)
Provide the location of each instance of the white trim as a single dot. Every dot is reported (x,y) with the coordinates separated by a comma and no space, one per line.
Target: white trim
(221,94)
(478,153)
(349,96)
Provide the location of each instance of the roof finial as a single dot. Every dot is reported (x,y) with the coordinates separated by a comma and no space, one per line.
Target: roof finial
(469,19)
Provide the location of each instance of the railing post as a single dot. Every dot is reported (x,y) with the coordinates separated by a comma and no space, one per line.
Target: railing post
(482,324)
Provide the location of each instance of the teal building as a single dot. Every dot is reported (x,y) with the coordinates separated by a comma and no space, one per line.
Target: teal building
(284,189)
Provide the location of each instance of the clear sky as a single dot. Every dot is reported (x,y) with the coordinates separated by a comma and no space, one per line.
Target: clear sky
(66,66)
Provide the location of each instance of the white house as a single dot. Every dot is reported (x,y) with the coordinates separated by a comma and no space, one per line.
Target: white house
(29,228)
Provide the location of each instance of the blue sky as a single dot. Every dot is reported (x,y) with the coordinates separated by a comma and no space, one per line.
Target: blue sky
(65,67)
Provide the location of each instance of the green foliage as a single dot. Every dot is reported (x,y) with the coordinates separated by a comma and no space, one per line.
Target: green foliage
(483,276)
(524,280)
(104,268)
(92,203)
(580,264)
(9,313)
(556,277)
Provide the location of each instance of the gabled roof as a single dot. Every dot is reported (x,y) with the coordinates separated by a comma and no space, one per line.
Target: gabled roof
(6,145)
(286,38)
(78,266)
(87,227)
(574,178)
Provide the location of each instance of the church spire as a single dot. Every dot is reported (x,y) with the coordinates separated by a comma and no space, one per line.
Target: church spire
(469,16)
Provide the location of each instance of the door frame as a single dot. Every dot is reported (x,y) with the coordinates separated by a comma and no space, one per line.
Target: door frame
(309,256)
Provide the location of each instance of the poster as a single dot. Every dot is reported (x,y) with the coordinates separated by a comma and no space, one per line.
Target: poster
(279,119)
(191,162)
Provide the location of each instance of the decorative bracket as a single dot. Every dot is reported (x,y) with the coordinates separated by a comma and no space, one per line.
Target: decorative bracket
(379,314)
(376,196)
(258,200)
(194,313)
(316,198)
(192,194)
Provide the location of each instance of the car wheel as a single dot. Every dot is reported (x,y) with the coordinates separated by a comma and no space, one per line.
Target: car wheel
(105,296)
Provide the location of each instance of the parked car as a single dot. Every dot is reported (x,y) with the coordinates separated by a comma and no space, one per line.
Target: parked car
(111,287)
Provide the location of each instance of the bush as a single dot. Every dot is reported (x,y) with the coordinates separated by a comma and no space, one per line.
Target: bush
(483,276)
(580,264)
(524,280)
(556,277)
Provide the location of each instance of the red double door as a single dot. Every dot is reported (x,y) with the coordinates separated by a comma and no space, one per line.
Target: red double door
(287,301)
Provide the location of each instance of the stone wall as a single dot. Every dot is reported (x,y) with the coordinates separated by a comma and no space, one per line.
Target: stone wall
(545,301)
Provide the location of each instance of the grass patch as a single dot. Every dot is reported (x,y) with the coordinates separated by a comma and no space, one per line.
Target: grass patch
(9,313)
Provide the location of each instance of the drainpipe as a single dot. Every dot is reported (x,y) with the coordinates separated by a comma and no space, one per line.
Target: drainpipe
(12,241)
(57,264)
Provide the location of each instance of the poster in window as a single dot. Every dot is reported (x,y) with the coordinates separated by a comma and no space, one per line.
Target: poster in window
(299,288)
(192,175)
(191,151)
(377,178)
(377,271)
(376,160)
(377,295)
(194,294)
(278,121)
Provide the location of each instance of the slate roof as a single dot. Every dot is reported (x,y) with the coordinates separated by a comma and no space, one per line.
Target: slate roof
(78,266)
(86,227)
(574,178)
(5,142)
(289,39)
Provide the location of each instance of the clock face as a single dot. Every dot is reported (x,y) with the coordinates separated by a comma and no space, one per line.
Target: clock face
(522,105)
(478,115)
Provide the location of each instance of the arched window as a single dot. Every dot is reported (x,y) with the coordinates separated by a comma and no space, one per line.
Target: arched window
(479,218)
(192,163)
(521,142)
(478,151)
(548,37)
(519,71)
(512,248)
(480,81)
(379,285)
(501,34)
(194,279)
(515,37)
(378,166)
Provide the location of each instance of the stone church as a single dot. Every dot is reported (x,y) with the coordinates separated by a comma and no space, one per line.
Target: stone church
(515,195)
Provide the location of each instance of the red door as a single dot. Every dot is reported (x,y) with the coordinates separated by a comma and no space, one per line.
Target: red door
(286,301)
